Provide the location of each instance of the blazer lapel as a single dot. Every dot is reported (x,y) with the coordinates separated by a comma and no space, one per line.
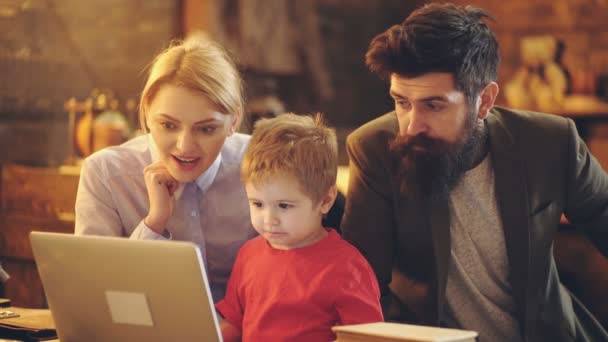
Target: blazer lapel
(439,221)
(512,201)
(429,231)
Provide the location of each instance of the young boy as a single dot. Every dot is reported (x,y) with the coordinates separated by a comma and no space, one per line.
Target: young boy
(297,279)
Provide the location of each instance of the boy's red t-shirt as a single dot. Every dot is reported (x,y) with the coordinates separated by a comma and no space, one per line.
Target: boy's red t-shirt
(299,294)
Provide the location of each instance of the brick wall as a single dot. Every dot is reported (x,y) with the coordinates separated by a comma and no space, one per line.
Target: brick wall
(580,24)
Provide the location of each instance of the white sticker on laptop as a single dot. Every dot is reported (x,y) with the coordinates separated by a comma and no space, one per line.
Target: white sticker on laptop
(129,308)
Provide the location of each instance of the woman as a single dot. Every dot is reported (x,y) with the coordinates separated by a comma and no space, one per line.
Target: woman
(181,180)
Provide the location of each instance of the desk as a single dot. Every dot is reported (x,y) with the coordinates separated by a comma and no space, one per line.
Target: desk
(31,318)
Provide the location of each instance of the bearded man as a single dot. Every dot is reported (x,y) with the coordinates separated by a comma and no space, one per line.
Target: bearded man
(455,202)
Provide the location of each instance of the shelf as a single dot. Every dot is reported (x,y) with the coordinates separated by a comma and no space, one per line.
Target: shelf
(582,106)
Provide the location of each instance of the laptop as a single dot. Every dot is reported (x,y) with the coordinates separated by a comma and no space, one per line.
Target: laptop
(116,289)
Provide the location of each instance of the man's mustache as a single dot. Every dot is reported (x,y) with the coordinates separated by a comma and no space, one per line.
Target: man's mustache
(418,144)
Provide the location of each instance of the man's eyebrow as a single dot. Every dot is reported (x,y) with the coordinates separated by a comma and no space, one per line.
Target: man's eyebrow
(434,98)
(393,94)
(424,99)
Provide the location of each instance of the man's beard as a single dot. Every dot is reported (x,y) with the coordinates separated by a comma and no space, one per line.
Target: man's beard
(435,170)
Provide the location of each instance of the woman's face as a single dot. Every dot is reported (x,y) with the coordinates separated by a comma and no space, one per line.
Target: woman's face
(188,130)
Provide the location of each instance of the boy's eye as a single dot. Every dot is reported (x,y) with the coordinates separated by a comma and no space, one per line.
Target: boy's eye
(285,205)
(256,204)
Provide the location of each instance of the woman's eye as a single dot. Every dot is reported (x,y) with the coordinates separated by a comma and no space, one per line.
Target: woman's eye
(167,125)
(284,205)
(208,129)
(256,204)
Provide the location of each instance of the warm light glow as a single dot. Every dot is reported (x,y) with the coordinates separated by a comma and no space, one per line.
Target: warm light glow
(342,181)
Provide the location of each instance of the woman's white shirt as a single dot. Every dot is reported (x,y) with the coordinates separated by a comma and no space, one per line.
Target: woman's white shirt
(212,211)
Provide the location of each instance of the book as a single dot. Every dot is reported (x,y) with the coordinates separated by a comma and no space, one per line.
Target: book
(27,325)
(392,332)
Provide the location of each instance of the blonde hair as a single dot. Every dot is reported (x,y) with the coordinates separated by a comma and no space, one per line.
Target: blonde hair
(198,64)
(293,145)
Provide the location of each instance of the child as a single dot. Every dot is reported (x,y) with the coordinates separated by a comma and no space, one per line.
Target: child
(297,279)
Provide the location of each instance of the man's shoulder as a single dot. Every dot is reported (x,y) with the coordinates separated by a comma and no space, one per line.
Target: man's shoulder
(532,135)
(517,120)
(375,133)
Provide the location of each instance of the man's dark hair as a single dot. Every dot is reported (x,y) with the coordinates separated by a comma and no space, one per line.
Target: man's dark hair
(439,38)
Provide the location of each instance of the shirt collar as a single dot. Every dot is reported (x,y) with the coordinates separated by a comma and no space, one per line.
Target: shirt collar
(203,181)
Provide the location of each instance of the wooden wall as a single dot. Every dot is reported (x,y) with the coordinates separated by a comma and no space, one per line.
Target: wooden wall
(31,198)
(53,50)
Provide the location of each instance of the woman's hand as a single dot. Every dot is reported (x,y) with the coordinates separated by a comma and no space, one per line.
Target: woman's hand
(161,186)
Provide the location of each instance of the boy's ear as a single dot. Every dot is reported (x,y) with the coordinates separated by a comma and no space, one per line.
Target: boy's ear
(328,200)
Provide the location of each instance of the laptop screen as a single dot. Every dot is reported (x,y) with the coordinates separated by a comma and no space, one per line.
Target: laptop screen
(116,289)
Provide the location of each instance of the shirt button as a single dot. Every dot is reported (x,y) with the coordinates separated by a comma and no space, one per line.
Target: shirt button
(193,213)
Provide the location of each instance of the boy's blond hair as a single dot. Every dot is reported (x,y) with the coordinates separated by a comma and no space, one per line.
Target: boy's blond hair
(198,64)
(296,146)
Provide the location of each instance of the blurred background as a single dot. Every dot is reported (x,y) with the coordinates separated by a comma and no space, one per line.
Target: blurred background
(305,54)
(71,72)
